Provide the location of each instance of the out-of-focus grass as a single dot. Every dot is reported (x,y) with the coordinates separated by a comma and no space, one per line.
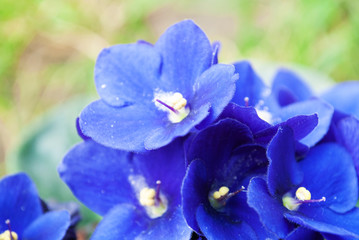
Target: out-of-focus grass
(48,48)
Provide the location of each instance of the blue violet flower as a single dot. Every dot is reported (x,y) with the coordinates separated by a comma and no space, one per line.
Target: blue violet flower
(21,214)
(138,194)
(151,94)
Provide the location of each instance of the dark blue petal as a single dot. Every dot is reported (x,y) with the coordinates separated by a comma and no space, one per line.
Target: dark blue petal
(19,202)
(301,233)
(125,74)
(238,209)
(215,86)
(283,170)
(165,164)
(186,53)
(344,97)
(245,161)
(327,221)
(121,128)
(216,226)
(301,125)
(97,176)
(195,189)
(248,85)
(348,134)
(79,131)
(309,107)
(328,236)
(126,222)
(51,225)
(288,81)
(245,115)
(329,172)
(214,144)
(269,209)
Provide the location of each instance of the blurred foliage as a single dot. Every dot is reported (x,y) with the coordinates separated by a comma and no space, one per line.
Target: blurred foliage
(48,51)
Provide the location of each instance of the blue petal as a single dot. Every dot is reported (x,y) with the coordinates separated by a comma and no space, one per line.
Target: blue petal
(245,162)
(344,97)
(215,86)
(283,170)
(125,74)
(327,221)
(97,176)
(195,189)
(248,85)
(167,131)
(126,222)
(51,225)
(245,115)
(289,81)
(216,226)
(309,107)
(215,144)
(329,172)
(165,164)
(121,222)
(301,125)
(186,53)
(121,128)
(216,46)
(348,134)
(19,202)
(301,233)
(269,209)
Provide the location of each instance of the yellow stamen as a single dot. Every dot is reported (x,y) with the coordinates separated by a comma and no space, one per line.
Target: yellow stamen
(147,197)
(6,235)
(303,194)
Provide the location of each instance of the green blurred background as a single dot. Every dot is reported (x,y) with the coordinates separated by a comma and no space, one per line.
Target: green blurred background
(48,51)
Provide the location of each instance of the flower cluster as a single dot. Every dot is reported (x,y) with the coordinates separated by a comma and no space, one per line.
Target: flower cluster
(179,146)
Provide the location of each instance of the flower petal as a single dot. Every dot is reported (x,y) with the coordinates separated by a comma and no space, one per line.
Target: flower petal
(19,202)
(127,73)
(215,86)
(245,115)
(165,164)
(216,226)
(327,221)
(289,81)
(186,53)
(329,172)
(283,171)
(194,191)
(248,85)
(121,222)
(344,97)
(166,131)
(214,144)
(301,233)
(348,134)
(51,225)
(97,176)
(269,209)
(126,222)
(324,111)
(121,128)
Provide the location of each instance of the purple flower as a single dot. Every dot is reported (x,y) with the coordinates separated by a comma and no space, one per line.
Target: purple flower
(138,194)
(21,212)
(151,94)
(318,192)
